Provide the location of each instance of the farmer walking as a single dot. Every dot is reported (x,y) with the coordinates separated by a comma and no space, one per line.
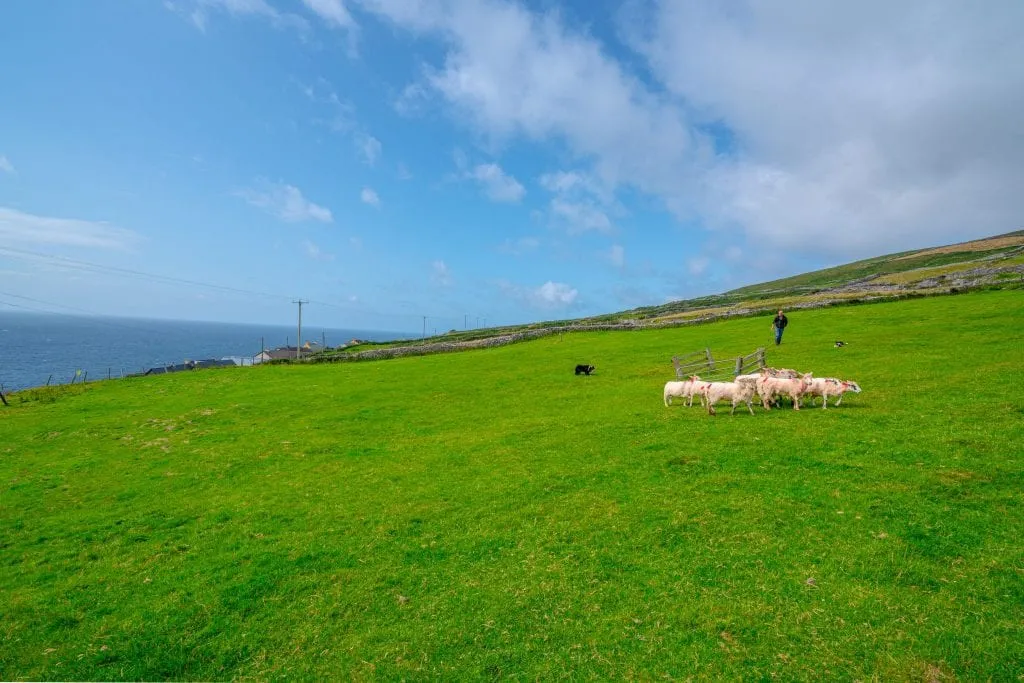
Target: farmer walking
(779,324)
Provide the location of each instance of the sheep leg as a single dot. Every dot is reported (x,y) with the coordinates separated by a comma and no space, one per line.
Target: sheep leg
(824,401)
(749,407)
(796,401)
(840,400)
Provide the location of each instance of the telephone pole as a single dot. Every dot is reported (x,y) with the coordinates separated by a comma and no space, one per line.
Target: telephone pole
(424,327)
(298,335)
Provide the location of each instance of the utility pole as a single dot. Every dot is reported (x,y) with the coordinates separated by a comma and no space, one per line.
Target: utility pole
(298,334)
(465,321)
(424,327)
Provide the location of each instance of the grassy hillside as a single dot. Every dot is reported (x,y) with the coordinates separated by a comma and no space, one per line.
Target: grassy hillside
(991,263)
(489,514)
(995,260)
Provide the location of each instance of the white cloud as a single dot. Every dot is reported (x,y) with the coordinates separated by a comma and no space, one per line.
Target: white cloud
(498,185)
(816,127)
(17,227)
(555,295)
(198,12)
(6,166)
(441,274)
(581,216)
(333,12)
(580,203)
(403,172)
(549,296)
(520,246)
(368,196)
(315,252)
(370,148)
(286,202)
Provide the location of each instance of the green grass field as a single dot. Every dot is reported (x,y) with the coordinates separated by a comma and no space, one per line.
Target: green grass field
(490,515)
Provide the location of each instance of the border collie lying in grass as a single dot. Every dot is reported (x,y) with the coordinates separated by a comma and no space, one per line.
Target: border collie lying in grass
(584,369)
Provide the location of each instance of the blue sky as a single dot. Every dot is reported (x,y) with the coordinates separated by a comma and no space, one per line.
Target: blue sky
(486,159)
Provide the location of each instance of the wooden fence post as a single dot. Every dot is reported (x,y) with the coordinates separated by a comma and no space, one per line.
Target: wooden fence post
(739,365)
(711,361)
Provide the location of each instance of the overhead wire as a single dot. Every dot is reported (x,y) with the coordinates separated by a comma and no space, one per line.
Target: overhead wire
(129,272)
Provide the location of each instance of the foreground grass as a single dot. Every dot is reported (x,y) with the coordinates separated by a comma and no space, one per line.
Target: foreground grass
(488,514)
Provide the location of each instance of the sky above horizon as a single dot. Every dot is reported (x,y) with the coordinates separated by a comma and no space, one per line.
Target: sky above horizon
(487,161)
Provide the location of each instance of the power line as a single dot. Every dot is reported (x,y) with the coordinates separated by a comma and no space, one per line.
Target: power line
(129,272)
(97,317)
(86,265)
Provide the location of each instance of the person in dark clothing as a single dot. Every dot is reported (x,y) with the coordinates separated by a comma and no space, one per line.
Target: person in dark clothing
(779,324)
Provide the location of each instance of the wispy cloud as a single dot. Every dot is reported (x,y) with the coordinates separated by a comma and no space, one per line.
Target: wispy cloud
(498,185)
(441,274)
(520,246)
(336,114)
(17,227)
(580,203)
(616,256)
(286,202)
(333,12)
(369,148)
(412,100)
(314,252)
(6,166)
(369,196)
(198,12)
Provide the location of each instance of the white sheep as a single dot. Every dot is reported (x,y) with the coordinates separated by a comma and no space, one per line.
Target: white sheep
(845,386)
(821,386)
(769,387)
(737,392)
(830,386)
(684,389)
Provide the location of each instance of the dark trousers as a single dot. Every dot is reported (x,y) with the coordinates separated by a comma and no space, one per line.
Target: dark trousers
(778,336)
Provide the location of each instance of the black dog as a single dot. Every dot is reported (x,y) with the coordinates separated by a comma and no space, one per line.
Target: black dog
(584,369)
(840,344)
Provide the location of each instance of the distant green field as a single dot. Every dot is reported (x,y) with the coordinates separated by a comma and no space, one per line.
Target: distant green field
(488,514)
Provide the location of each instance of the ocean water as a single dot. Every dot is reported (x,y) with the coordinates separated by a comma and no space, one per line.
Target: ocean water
(35,347)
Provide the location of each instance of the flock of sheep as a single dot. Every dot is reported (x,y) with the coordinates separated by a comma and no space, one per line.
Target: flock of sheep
(769,385)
